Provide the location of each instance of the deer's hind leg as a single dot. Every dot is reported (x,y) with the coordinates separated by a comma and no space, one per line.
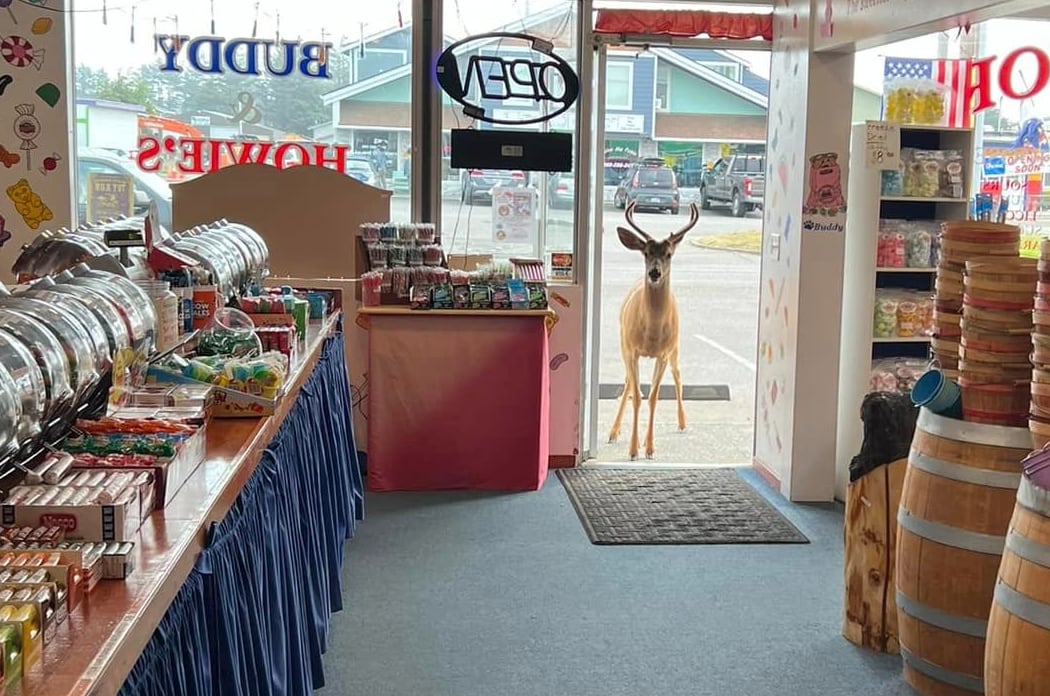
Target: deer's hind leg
(636,396)
(654,396)
(677,376)
(614,432)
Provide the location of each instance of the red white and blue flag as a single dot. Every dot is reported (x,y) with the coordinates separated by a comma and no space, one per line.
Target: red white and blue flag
(956,74)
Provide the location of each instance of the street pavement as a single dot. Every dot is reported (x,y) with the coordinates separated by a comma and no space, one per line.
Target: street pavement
(717,295)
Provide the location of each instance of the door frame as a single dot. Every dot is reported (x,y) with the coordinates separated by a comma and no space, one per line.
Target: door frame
(590,173)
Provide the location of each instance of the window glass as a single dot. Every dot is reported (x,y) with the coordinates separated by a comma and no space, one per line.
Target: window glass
(346,107)
(663,87)
(655,177)
(618,85)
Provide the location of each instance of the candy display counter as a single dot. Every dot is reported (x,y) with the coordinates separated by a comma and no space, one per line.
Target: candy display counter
(146,494)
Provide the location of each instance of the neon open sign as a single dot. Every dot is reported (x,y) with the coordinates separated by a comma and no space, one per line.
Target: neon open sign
(547,79)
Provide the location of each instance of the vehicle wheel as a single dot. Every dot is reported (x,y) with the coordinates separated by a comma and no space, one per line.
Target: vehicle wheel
(620,204)
(705,202)
(673,210)
(738,208)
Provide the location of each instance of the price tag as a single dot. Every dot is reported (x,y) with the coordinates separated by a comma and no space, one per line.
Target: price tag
(882,145)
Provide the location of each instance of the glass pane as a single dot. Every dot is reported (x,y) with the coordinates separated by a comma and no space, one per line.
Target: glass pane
(618,86)
(473,228)
(146,110)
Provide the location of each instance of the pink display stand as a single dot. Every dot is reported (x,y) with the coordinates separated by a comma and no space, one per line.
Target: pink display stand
(457,399)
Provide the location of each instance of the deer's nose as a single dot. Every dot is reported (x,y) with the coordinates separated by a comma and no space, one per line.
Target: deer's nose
(654,274)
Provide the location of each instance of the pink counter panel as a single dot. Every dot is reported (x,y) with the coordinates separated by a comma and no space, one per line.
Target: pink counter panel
(457,399)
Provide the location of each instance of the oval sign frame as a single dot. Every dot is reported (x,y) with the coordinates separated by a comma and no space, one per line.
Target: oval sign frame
(447,72)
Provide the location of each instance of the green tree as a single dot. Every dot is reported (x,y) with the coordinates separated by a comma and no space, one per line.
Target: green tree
(126,88)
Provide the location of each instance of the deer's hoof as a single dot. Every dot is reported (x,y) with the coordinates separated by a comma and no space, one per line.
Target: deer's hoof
(650,455)
(613,438)
(681,428)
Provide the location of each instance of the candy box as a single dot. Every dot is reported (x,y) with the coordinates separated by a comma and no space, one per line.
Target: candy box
(11,645)
(115,522)
(519,294)
(206,302)
(461,297)
(441,297)
(480,297)
(25,619)
(419,297)
(500,297)
(537,295)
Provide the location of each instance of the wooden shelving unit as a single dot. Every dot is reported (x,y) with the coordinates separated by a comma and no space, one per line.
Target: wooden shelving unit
(862,278)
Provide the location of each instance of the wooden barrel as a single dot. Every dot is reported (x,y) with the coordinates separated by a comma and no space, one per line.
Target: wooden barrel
(1017,653)
(951,526)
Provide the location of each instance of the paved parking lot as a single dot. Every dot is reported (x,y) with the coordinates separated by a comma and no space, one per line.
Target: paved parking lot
(717,294)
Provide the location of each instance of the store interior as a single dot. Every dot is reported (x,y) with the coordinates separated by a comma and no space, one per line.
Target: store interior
(330,339)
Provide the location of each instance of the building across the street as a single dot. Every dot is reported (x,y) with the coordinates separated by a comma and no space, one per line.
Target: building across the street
(688,106)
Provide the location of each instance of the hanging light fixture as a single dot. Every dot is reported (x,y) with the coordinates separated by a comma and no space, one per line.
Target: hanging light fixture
(133,24)
(105,19)
(255,22)
(212,6)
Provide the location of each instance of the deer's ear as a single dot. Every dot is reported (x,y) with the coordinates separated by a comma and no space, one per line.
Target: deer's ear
(629,239)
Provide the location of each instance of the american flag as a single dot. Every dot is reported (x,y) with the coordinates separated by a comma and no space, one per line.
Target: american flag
(955,74)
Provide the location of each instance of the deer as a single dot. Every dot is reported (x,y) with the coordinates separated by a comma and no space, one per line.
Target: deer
(649,326)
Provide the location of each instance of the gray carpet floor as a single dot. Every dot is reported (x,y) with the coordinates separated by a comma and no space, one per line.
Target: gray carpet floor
(466,594)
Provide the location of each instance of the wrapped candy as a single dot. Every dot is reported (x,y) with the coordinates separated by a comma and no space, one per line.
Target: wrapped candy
(885,316)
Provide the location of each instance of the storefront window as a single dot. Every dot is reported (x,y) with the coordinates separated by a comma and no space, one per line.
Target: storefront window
(160,99)
(470,219)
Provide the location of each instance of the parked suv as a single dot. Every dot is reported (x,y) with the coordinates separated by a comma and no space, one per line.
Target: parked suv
(478,183)
(649,184)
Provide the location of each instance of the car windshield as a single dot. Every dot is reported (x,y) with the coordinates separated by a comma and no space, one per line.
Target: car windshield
(655,177)
(614,173)
(357,166)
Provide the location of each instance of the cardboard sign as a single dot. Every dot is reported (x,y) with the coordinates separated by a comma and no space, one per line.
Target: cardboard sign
(109,196)
(514,217)
(882,145)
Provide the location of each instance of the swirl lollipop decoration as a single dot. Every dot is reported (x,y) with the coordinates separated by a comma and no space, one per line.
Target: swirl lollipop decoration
(20,53)
(27,128)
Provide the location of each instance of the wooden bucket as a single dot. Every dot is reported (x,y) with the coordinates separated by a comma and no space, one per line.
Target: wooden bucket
(1006,361)
(958,252)
(947,323)
(1041,396)
(997,283)
(870,616)
(1039,428)
(998,319)
(996,342)
(995,404)
(1041,349)
(984,373)
(977,231)
(955,509)
(1017,652)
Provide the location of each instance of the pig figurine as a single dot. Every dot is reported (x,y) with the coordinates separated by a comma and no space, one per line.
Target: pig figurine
(825,185)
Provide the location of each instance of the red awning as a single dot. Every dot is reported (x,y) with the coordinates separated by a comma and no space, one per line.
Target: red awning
(716,25)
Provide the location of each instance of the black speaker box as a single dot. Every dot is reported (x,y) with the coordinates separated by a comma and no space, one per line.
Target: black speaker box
(508,149)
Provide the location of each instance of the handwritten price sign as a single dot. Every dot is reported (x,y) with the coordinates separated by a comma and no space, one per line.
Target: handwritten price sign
(882,145)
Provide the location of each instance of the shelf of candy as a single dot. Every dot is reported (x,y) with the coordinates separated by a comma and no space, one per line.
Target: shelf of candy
(904,244)
(916,102)
(399,257)
(493,286)
(929,174)
(896,374)
(904,314)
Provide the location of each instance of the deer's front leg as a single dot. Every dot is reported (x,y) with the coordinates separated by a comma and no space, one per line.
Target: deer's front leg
(636,398)
(677,376)
(614,431)
(654,396)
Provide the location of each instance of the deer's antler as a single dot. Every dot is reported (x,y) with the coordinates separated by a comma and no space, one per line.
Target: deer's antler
(629,214)
(694,217)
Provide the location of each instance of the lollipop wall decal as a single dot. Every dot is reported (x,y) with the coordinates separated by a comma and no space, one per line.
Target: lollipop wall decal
(27,128)
(7,4)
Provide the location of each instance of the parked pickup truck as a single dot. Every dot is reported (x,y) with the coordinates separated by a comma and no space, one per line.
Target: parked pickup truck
(739,181)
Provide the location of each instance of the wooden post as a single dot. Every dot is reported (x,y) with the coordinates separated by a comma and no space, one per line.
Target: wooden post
(870,617)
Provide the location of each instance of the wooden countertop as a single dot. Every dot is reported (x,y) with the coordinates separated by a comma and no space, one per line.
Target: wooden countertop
(404,311)
(94,651)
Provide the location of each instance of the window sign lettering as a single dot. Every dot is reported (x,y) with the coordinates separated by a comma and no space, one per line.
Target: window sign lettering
(545,78)
(202,155)
(215,55)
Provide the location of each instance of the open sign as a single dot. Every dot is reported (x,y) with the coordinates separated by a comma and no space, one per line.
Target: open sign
(548,78)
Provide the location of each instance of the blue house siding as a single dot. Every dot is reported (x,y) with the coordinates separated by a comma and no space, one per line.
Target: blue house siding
(748,79)
(386,53)
(643,83)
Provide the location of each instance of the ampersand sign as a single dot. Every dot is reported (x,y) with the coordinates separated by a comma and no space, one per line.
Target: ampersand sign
(245,110)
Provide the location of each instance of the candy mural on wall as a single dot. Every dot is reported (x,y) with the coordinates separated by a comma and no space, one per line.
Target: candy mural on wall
(34,123)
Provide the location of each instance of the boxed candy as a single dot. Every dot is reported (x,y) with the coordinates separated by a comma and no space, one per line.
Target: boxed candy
(86,514)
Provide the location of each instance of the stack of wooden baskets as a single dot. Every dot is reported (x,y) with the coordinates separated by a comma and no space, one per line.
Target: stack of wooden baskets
(960,241)
(995,370)
(1039,422)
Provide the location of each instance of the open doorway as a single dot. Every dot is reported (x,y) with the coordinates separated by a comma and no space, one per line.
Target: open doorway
(683,124)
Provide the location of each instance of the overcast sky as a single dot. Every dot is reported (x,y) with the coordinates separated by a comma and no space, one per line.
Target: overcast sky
(109,46)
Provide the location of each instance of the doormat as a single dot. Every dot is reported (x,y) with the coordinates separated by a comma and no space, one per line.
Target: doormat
(679,506)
